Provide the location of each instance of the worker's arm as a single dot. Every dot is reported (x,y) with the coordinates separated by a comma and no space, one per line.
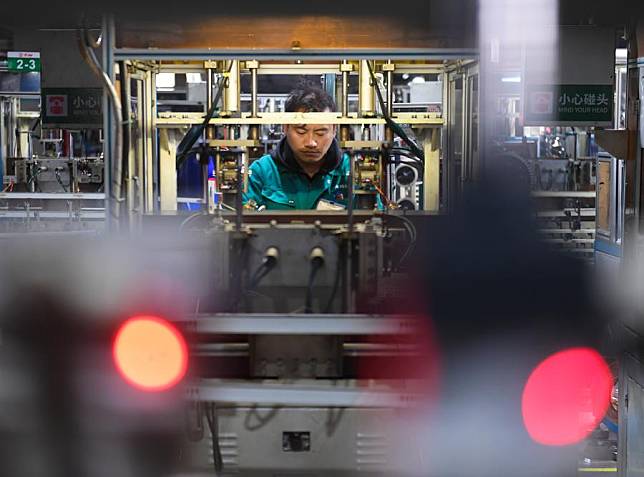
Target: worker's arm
(255,186)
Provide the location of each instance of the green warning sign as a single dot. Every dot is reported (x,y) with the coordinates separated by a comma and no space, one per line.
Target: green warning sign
(568,105)
(80,107)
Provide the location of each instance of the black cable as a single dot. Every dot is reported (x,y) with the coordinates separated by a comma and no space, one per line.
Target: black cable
(415,162)
(260,273)
(60,181)
(411,230)
(192,217)
(213,426)
(316,264)
(395,127)
(33,177)
(268,263)
(336,281)
(264,269)
(195,132)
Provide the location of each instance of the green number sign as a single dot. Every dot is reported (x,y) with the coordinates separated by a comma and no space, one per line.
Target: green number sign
(23,61)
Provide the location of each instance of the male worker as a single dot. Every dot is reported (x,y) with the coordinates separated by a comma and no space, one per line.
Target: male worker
(308,169)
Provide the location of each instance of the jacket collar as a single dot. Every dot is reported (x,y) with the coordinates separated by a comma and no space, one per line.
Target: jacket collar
(284,156)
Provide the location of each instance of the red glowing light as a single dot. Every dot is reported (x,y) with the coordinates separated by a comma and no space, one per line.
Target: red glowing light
(566,396)
(150,353)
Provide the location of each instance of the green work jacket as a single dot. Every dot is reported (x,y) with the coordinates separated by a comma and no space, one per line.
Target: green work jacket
(278,185)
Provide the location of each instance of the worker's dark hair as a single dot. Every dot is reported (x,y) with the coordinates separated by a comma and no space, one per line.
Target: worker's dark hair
(309,98)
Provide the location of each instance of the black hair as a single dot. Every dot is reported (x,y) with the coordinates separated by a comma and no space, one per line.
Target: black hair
(308,98)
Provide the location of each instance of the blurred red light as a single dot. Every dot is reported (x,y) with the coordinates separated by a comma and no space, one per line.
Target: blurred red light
(150,353)
(566,396)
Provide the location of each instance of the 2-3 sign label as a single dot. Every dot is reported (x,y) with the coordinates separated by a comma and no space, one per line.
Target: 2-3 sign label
(23,61)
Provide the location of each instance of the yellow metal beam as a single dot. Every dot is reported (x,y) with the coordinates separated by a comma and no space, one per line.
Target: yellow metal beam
(429,119)
(431,176)
(167,170)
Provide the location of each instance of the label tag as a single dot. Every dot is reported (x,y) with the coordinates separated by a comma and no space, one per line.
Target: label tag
(324,204)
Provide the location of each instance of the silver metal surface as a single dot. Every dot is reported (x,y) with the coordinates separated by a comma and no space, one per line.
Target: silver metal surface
(345,88)
(58,234)
(51,196)
(366,90)
(232,87)
(568,212)
(295,69)
(45,214)
(296,356)
(564,194)
(343,442)
(336,393)
(588,231)
(322,324)
(242,349)
(189,200)
(630,448)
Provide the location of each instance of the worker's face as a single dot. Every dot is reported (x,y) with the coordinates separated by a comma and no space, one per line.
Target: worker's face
(310,142)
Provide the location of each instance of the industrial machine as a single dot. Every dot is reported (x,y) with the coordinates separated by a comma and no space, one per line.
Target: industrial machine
(308,350)
(297,355)
(53,178)
(303,365)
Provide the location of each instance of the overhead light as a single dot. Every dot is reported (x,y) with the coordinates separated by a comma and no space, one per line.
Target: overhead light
(405,76)
(511,79)
(621,54)
(418,79)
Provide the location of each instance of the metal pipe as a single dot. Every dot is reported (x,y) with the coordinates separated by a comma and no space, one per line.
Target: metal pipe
(390,90)
(350,193)
(465,159)
(447,171)
(366,97)
(345,91)
(210,130)
(238,197)
(3,151)
(127,173)
(253,130)
(88,55)
(253,92)
(231,93)
(14,143)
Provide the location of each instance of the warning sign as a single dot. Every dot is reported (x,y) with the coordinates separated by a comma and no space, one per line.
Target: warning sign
(569,105)
(78,107)
(541,102)
(56,105)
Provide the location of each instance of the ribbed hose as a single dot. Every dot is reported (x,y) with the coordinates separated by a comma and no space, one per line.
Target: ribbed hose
(114,203)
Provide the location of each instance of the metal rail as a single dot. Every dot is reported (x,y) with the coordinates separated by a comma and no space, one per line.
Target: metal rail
(51,196)
(565,194)
(304,324)
(339,394)
(177,119)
